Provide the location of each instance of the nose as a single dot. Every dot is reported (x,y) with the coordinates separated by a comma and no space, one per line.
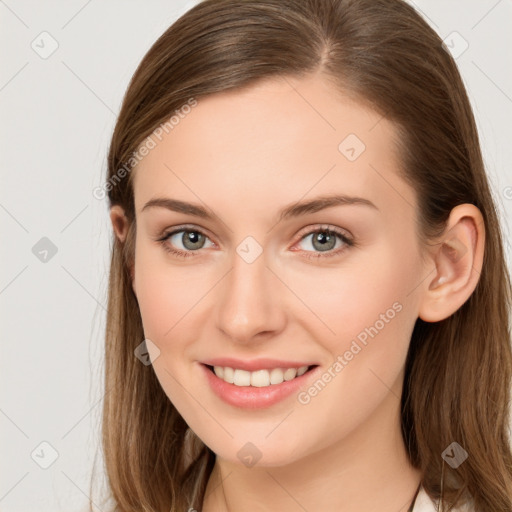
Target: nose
(250,303)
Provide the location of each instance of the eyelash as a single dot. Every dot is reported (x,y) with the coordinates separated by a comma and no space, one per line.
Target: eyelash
(349,242)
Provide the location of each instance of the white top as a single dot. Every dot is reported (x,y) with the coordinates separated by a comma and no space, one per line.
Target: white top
(425,504)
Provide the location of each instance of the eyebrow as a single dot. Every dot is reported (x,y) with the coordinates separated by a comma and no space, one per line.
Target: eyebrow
(293,210)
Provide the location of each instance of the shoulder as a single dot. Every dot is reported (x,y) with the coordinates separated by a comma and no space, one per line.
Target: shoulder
(424,503)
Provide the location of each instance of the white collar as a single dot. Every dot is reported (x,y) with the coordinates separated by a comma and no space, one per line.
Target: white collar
(424,503)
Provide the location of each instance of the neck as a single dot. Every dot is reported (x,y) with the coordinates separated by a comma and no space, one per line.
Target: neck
(368,470)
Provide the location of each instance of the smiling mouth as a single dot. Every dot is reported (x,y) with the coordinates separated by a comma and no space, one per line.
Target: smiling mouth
(259,378)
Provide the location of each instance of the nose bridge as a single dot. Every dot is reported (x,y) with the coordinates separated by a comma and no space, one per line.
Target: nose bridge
(250,296)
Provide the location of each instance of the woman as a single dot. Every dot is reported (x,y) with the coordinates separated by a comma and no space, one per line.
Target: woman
(308,298)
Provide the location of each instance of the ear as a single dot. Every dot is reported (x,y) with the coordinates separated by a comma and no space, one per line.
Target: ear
(121,224)
(457,256)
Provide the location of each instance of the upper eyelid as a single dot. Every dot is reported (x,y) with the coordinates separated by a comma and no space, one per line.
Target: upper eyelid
(324,227)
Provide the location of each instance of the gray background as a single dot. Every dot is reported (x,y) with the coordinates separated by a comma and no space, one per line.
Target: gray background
(57,113)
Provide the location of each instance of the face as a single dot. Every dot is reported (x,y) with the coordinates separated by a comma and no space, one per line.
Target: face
(268,284)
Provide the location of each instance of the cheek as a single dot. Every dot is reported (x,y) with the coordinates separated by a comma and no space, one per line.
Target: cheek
(372,317)
(365,291)
(370,313)
(167,296)
(166,293)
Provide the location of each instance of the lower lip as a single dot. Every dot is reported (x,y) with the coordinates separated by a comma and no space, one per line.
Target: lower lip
(251,397)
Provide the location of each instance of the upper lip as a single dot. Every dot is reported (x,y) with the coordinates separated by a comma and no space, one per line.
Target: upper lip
(254,364)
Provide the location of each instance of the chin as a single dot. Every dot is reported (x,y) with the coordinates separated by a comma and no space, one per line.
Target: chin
(252,454)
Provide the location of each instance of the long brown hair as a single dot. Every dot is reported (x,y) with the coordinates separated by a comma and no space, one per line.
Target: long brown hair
(458,371)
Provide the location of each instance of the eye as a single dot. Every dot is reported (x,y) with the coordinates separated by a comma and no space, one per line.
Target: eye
(325,240)
(191,240)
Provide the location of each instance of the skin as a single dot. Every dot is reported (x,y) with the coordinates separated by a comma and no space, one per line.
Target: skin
(245,155)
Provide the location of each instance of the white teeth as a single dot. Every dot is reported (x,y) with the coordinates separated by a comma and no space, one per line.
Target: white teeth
(259,378)
(219,371)
(290,374)
(276,376)
(229,374)
(301,371)
(242,378)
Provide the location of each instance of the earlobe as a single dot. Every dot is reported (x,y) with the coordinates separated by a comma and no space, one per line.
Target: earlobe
(458,258)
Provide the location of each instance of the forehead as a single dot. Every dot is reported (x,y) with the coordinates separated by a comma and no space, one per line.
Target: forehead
(280,139)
